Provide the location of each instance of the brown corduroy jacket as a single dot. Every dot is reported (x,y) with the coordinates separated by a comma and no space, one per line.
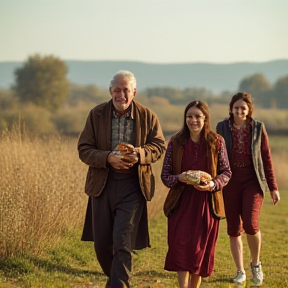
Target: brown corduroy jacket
(94,145)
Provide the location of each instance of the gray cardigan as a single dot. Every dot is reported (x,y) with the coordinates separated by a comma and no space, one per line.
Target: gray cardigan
(258,128)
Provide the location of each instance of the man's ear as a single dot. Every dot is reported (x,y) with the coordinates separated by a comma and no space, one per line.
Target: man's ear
(134,92)
(110,91)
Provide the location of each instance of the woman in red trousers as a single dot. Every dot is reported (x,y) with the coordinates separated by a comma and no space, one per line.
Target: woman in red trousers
(252,174)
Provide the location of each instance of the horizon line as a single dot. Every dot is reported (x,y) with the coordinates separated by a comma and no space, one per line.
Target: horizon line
(154,63)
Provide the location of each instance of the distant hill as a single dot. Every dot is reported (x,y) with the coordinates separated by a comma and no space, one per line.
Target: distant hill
(213,77)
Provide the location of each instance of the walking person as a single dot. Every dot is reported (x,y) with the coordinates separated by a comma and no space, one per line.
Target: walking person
(119,180)
(252,175)
(192,229)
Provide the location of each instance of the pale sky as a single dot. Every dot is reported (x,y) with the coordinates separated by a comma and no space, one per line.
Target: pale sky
(153,31)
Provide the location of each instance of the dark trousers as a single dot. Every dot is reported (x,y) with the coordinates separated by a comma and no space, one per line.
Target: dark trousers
(116,215)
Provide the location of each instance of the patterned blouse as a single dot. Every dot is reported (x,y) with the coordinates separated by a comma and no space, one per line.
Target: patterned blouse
(241,151)
(242,154)
(224,172)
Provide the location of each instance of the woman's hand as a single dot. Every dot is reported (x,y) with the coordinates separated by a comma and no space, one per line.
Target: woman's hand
(208,187)
(275,195)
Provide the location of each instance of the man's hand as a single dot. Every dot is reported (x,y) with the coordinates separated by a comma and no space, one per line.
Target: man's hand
(119,161)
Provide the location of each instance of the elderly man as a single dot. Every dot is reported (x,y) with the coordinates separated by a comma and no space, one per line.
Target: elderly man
(119,179)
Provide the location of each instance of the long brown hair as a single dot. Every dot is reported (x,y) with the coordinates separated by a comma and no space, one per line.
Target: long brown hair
(245,97)
(184,132)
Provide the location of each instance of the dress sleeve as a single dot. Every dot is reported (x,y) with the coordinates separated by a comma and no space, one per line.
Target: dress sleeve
(267,161)
(224,172)
(167,178)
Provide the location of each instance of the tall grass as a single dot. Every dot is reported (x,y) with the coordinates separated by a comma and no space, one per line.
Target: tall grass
(42,189)
(42,198)
(41,192)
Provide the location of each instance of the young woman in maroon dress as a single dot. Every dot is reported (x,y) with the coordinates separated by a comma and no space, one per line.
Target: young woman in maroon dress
(252,174)
(192,229)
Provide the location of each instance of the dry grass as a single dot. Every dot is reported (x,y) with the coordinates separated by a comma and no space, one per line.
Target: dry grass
(42,196)
(41,191)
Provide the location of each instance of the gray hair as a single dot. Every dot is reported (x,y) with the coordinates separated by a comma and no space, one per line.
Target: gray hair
(125,74)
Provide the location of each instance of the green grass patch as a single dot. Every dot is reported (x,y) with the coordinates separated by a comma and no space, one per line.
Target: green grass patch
(72,263)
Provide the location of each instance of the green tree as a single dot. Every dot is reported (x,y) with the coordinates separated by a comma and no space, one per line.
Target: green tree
(86,93)
(7,100)
(42,81)
(256,85)
(280,92)
(174,95)
(191,94)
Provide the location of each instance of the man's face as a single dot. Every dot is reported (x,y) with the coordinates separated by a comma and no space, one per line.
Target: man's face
(122,93)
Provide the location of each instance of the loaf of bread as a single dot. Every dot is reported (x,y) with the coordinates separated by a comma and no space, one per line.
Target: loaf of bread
(125,148)
(128,153)
(197,177)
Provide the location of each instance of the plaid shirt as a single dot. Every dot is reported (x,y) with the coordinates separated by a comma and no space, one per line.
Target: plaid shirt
(122,129)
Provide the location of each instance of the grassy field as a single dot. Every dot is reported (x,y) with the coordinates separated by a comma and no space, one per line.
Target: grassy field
(72,263)
(42,209)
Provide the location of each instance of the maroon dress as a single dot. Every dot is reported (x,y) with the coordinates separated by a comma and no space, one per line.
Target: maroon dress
(192,230)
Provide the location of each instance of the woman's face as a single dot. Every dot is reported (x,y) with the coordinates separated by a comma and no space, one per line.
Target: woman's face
(195,120)
(240,110)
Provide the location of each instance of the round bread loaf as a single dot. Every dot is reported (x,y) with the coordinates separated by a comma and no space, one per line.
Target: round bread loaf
(197,177)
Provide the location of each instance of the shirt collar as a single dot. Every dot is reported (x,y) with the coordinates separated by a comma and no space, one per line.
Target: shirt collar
(129,114)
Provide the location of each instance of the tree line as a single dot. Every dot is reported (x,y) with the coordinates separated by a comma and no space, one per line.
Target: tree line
(46,101)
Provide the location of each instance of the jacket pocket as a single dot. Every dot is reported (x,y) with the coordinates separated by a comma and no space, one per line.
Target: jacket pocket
(147,181)
(95,181)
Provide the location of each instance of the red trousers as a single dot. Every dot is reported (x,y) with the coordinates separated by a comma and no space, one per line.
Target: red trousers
(243,199)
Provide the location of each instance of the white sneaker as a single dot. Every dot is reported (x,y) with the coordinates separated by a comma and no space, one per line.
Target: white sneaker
(257,274)
(240,277)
